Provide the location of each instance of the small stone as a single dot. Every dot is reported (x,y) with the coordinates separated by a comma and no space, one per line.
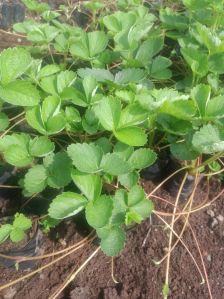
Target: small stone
(211,213)
(214,222)
(220,218)
(209,258)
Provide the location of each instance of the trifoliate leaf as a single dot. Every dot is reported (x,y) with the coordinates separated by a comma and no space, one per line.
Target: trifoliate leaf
(17,235)
(66,205)
(89,184)
(99,211)
(142,158)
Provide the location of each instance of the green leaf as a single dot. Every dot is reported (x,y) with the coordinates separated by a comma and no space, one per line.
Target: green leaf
(89,184)
(48,70)
(114,164)
(159,67)
(174,125)
(66,205)
(129,75)
(183,109)
(216,63)
(132,136)
(17,235)
(183,151)
(215,108)
(108,111)
(13,63)
(100,75)
(113,242)
(197,60)
(128,180)
(22,222)
(59,170)
(17,156)
(123,150)
(41,147)
(201,95)
(135,196)
(142,158)
(99,211)
(5,230)
(132,115)
(36,179)
(15,139)
(4,121)
(35,5)
(149,48)
(20,93)
(172,20)
(85,157)
(64,80)
(208,140)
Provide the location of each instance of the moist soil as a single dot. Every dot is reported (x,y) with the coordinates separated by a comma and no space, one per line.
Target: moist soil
(137,275)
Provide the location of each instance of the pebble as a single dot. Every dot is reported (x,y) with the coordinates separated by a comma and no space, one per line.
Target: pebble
(214,222)
(220,218)
(211,213)
(209,257)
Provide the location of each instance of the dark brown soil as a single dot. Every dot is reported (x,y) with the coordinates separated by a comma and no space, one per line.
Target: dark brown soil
(134,269)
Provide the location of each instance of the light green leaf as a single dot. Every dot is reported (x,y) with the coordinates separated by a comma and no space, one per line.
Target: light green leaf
(35,179)
(99,211)
(41,146)
(17,235)
(64,80)
(5,230)
(215,108)
(48,70)
(22,222)
(132,136)
(66,205)
(183,109)
(13,63)
(17,156)
(128,180)
(114,241)
(4,121)
(149,48)
(183,151)
(85,157)
(89,184)
(20,93)
(142,158)
(108,111)
(135,195)
(114,164)
(208,140)
(123,150)
(159,66)
(197,60)
(100,75)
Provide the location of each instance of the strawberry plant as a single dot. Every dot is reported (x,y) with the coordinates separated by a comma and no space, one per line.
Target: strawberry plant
(84,111)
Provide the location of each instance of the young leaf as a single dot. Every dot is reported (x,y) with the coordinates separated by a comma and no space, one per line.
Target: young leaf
(142,158)
(113,242)
(89,184)
(48,70)
(215,108)
(13,63)
(216,63)
(41,146)
(85,157)
(22,222)
(132,136)
(36,179)
(20,93)
(100,75)
(132,115)
(66,205)
(99,211)
(129,180)
(17,235)
(17,156)
(114,164)
(5,231)
(201,96)
(208,140)
(108,111)
(129,75)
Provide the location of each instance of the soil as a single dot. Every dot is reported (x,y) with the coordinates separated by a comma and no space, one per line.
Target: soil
(134,269)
